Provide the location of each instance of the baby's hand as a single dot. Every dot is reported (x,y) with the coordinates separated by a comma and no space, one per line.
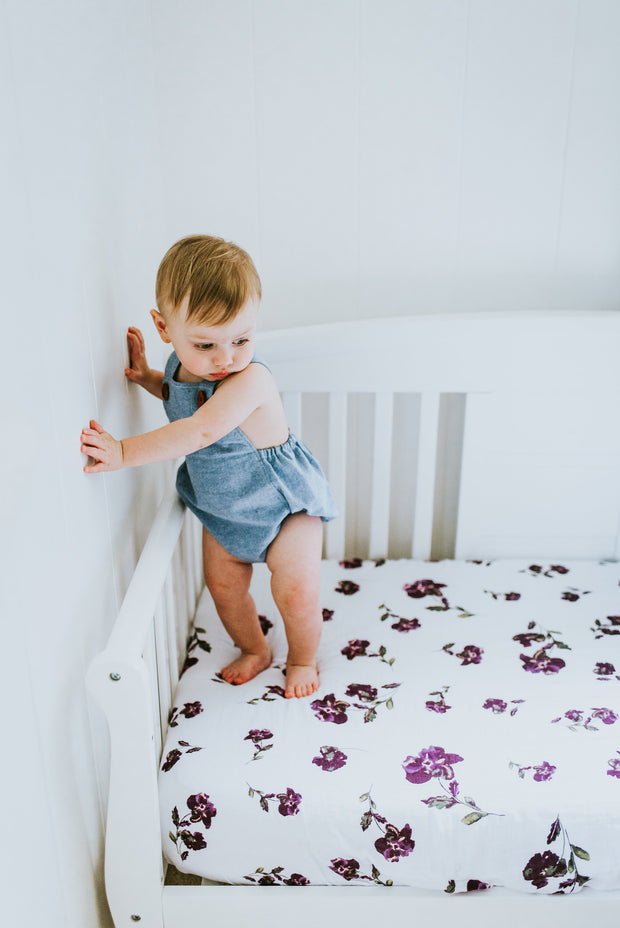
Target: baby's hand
(105,453)
(138,370)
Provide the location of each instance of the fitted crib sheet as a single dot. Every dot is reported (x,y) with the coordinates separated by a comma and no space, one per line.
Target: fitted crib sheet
(466,734)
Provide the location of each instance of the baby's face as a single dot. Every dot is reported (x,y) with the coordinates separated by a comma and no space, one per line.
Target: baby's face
(211,352)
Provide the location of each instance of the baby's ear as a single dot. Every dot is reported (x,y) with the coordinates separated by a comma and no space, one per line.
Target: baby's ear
(160,325)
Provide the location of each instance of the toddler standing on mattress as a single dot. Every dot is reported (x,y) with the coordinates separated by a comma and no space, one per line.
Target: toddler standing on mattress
(257,490)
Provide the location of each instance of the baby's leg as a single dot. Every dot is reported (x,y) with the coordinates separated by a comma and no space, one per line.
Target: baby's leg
(228,581)
(294,559)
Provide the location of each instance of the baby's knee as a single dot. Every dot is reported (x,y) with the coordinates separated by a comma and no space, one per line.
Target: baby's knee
(298,597)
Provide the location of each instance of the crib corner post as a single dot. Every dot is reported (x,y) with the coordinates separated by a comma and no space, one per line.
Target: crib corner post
(133,839)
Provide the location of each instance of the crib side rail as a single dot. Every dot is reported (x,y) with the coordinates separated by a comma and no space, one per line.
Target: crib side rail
(132,680)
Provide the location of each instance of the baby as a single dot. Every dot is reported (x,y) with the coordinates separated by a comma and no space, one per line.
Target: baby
(257,490)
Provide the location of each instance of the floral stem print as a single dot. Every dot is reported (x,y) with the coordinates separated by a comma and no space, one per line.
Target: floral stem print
(580,719)
(276,877)
(435,763)
(257,737)
(357,648)
(368,701)
(508,597)
(499,706)
(402,624)
(175,755)
(542,772)
(542,867)
(608,626)
(348,869)
(438,705)
(535,570)
(189,711)
(270,694)
(289,801)
(201,810)
(194,641)
(394,843)
(543,634)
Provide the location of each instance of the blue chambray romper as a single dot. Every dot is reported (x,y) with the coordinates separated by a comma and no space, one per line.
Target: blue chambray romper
(240,493)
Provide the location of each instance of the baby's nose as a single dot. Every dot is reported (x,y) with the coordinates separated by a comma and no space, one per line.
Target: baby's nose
(223,357)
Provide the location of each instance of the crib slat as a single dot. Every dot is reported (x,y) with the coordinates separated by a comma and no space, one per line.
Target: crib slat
(381,475)
(425,482)
(337,470)
(291,400)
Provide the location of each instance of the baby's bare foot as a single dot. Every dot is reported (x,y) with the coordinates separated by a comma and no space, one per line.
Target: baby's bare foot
(301,680)
(247,666)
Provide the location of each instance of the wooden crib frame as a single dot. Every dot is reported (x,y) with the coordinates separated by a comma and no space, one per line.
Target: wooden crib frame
(493,362)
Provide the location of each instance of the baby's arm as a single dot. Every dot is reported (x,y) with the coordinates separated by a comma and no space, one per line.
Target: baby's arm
(234,401)
(139,371)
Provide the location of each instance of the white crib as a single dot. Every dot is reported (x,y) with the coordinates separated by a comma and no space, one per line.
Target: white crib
(477,436)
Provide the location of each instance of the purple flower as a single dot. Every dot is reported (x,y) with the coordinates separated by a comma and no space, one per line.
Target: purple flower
(171,758)
(544,771)
(614,766)
(330,709)
(202,809)
(540,662)
(328,615)
(431,762)
(195,842)
(604,670)
(347,587)
(570,597)
(191,709)
(559,569)
(471,654)
(265,624)
(607,716)
(573,715)
(439,706)
(395,844)
(296,879)
(276,690)
(406,625)
(351,564)
(526,638)
(541,866)
(258,734)
(289,802)
(347,869)
(511,598)
(363,691)
(496,705)
(355,648)
(423,588)
(475,885)
(331,759)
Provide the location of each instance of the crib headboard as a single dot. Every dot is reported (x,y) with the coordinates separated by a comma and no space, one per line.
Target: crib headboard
(481,435)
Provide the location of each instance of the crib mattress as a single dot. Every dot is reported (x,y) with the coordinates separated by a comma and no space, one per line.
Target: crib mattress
(466,734)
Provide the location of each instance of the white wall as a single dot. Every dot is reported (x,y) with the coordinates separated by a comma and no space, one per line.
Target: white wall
(82,234)
(376,156)
(395,156)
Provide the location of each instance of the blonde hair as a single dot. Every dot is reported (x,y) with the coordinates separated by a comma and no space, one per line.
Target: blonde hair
(217,276)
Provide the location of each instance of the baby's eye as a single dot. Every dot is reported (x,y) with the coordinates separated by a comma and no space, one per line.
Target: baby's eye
(241,341)
(204,347)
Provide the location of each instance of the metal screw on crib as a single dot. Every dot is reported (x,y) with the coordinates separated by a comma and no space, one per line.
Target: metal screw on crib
(116,677)
(136,918)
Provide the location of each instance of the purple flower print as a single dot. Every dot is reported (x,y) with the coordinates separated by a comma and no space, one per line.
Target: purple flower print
(580,719)
(347,587)
(423,588)
(541,772)
(330,709)
(395,844)
(268,696)
(355,648)
(195,842)
(328,615)
(438,705)
(540,662)
(570,597)
(542,866)
(430,762)
(363,691)
(470,654)
(606,716)
(497,706)
(509,597)
(604,670)
(406,625)
(525,639)
(202,810)
(611,628)
(194,641)
(614,766)
(171,758)
(265,624)
(275,878)
(331,759)
(289,802)
(257,736)
(348,869)
(351,564)
(190,710)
